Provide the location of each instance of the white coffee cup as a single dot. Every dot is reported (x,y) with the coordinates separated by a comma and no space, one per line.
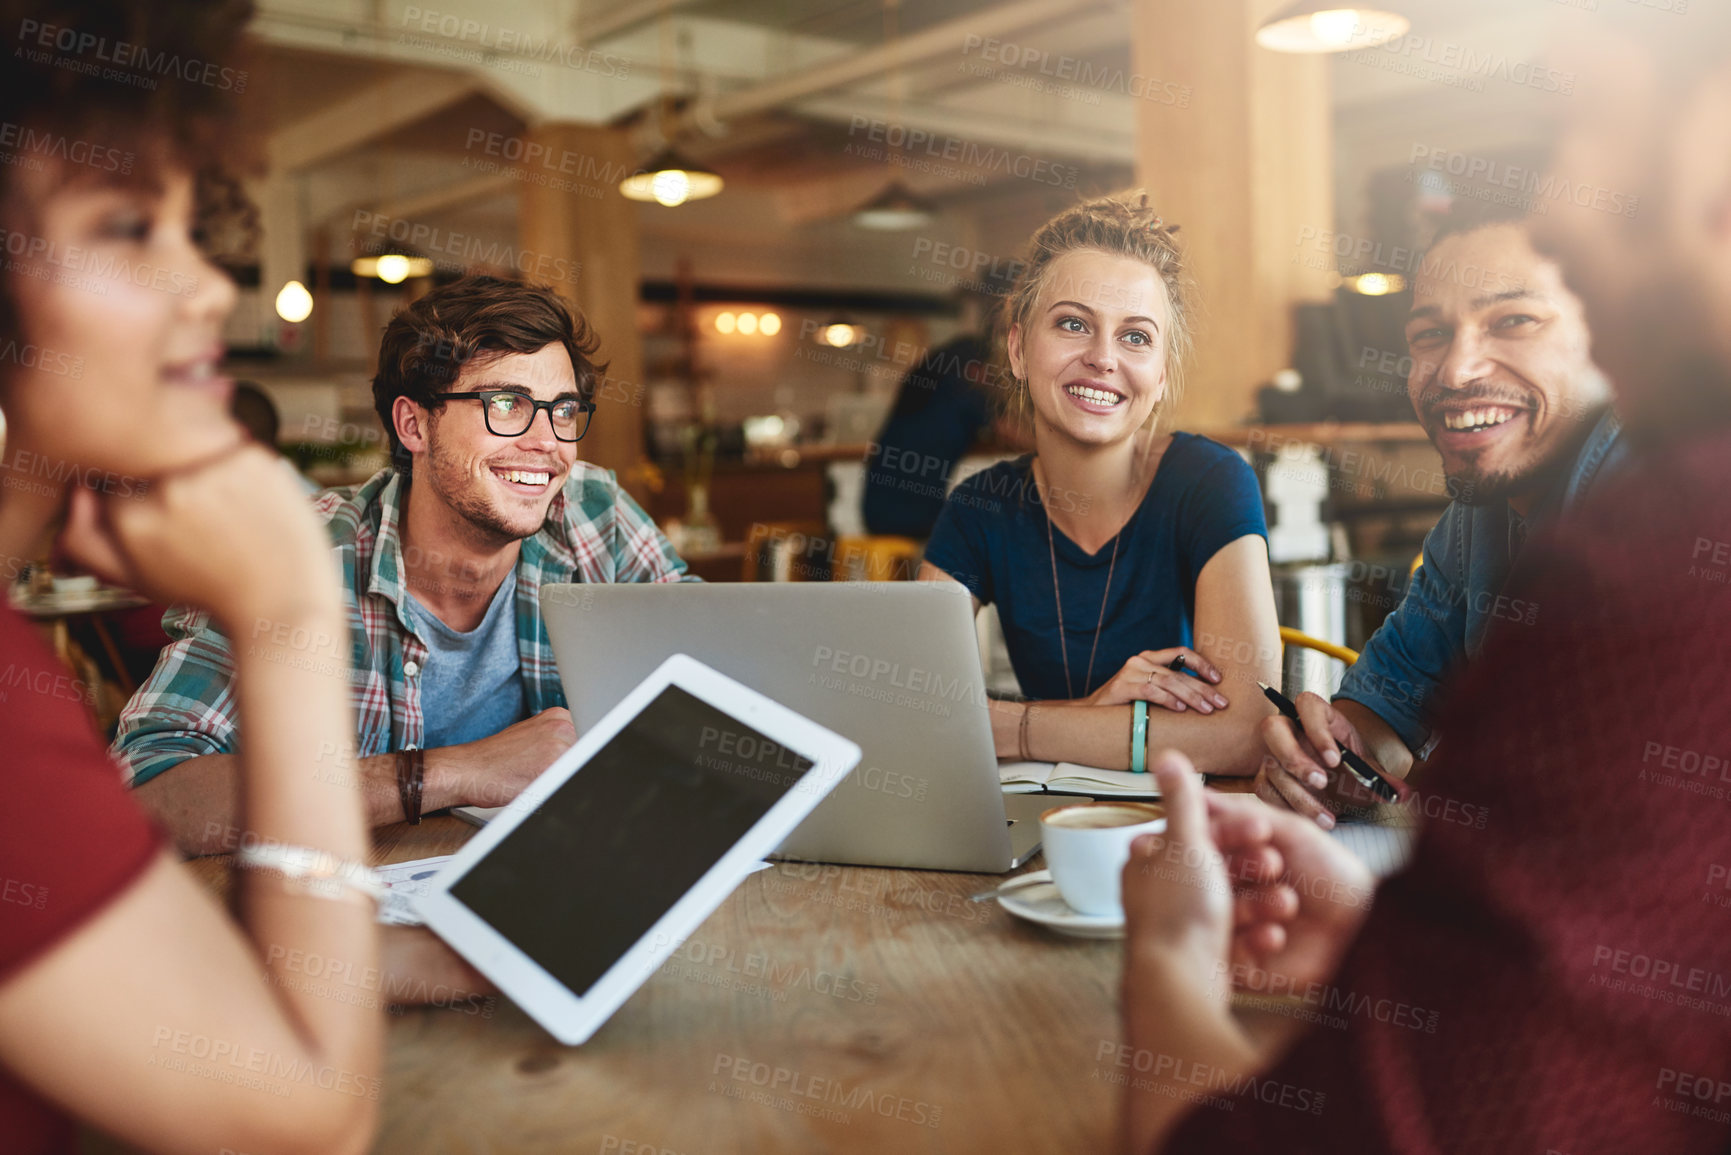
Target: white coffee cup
(1087,845)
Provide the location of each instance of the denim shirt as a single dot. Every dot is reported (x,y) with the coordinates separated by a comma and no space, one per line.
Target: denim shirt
(1457,593)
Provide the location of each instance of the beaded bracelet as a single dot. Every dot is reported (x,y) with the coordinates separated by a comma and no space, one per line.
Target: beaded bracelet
(318,873)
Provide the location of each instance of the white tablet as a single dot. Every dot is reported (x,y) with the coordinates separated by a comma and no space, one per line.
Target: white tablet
(576,892)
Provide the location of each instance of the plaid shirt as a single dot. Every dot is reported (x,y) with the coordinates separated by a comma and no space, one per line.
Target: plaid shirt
(594,533)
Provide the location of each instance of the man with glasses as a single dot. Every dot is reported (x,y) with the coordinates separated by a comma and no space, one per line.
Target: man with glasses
(485,386)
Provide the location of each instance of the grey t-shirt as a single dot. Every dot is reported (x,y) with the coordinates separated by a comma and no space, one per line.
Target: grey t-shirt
(472,684)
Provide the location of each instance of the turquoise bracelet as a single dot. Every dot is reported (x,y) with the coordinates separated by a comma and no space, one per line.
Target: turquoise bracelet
(1139,740)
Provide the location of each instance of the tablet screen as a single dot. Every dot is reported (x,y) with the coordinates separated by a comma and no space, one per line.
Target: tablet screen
(589,872)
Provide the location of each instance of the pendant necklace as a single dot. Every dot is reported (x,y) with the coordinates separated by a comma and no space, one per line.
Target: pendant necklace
(1063,643)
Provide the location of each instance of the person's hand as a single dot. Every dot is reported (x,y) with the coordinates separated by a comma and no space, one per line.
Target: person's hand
(420,970)
(493,771)
(1299,896)
(1178,930)
(1146,676)
(1303,761)
(1178,901)
(234,535)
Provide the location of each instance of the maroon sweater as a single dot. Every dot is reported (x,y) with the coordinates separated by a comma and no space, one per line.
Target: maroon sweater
(1573,957)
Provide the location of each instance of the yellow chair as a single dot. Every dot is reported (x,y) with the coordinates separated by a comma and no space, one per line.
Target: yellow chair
(876,558)
(789,551)
(1292,637)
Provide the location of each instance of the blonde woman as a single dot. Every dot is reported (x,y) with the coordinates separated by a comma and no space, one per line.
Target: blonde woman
(1128,563)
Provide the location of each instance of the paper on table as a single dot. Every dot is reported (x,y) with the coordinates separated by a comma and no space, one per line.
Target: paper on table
(406,880)
(1385,849)
(1029,777)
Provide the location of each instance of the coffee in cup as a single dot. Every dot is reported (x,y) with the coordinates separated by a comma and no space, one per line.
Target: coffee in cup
(1087,845)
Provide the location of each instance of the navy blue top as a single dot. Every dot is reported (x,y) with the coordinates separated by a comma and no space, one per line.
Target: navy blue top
(991,537)
(941,407)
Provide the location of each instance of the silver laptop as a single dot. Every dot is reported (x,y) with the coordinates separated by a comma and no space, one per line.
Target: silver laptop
(895,666)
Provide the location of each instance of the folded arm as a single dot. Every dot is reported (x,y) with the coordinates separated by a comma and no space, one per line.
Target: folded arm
(1236,630)
(199,799)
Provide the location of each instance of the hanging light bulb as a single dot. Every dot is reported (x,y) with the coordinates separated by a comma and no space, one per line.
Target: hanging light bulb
(671,187)
(294,303)
(391,265)
(894,210)
(1375,284)
(393,268)
(669,179)
(839,334)
(1317,26)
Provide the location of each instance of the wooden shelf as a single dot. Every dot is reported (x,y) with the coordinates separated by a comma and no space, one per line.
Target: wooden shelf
(1320,433)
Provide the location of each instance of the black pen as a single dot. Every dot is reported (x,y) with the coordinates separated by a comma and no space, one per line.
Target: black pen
(1368,776)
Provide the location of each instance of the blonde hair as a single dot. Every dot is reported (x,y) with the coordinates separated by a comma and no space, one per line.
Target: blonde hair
(1120,225)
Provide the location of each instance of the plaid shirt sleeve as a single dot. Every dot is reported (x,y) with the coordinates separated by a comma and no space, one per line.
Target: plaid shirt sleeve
(186,708)
(641,553)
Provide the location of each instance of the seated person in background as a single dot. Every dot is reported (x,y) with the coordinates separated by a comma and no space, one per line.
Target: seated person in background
(1557,980)
(258,415)
(484,386)
(1115,544)
(946,405)
(943,405)
(1504,383)
(256,412)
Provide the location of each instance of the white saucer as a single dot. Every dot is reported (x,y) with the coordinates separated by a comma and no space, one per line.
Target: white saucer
(1033,896)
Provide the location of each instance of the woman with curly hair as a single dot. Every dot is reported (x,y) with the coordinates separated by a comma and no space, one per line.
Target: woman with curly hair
(129,999)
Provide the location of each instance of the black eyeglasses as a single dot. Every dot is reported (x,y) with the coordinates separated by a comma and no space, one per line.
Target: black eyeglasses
(510,414)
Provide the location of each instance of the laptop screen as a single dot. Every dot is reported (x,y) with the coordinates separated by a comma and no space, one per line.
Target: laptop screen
(587,874)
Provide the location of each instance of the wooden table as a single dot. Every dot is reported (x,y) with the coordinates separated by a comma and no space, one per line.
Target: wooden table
(56,611)
(820,1009)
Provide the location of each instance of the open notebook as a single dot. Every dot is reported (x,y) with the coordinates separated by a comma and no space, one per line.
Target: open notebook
(1070,778)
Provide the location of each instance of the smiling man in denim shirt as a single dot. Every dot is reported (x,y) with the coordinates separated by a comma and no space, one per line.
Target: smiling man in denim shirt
(1504,384)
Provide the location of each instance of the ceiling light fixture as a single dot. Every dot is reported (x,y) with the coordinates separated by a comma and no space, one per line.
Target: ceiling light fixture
(670,179)
(838,334)
(748,324)
(293,303)
(392,265)
(1375,284)
(894,210)
(1313,26)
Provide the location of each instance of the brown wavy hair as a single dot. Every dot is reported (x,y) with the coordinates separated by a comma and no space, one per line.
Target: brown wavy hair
(475,320)
(117,92)
(1122,225)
